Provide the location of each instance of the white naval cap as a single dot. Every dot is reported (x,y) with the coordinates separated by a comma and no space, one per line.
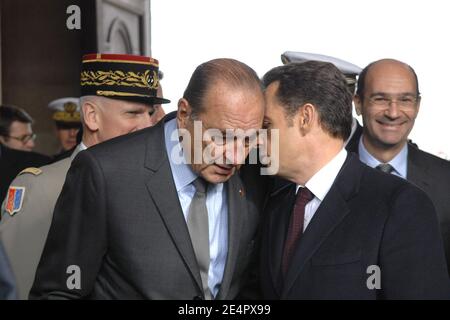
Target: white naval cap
(66,109)
(347,68)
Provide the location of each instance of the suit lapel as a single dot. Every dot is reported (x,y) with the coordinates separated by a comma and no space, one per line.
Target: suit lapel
(163,192)
(417,171)
(330,213)
(237,211)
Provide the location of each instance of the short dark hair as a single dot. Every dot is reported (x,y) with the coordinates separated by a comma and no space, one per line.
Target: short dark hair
(318,83)
(229,71)
(9,114)
(361,85)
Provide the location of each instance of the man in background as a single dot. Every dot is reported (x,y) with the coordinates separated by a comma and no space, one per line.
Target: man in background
(16,141)
(388,99)
(15,128)
(66,115)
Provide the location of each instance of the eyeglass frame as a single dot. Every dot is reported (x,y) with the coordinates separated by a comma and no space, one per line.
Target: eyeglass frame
(386,100)
(25,139)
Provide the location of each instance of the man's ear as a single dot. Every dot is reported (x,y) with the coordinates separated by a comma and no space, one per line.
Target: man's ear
(2,140)
(358,104)
(91,116)
(307,115)
(183,113)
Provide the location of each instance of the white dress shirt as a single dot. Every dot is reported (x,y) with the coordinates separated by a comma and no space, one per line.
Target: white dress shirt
(321,183)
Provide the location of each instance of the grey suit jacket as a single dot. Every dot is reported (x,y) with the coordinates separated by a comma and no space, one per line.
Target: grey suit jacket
(24,233)
(119,220)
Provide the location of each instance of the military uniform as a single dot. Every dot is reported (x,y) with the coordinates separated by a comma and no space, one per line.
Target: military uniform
(67,117)
(26,217)
(14,161)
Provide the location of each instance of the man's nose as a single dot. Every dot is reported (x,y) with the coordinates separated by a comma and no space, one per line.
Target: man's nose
(393,110)
(30,144)
(73,132)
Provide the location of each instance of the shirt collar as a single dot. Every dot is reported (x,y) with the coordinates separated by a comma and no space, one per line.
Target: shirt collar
(399,162)
(321,182)
(82,146)
(181,171)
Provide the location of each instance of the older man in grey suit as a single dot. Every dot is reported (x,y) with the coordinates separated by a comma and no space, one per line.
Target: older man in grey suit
(24,229)
(137,220)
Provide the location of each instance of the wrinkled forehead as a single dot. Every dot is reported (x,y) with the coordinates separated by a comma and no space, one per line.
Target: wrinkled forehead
(228,107)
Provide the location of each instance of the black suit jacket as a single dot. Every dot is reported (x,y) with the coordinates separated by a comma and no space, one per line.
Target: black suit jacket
(14,161)
(367,218)
(432,175)
(119,219)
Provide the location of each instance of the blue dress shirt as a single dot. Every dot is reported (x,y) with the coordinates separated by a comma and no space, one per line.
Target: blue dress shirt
(399,162)
(216,203)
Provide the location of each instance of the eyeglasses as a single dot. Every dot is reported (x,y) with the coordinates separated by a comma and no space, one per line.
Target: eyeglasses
(25,139)
(405,101)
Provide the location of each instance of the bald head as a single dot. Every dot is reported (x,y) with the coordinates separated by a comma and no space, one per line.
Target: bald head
(229,72)
(385,66)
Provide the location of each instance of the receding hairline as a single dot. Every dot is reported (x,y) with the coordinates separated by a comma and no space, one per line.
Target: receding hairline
(366,72)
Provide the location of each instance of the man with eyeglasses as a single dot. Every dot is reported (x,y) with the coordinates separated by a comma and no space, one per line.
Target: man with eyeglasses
(388,99)
(15,129)
(16,141)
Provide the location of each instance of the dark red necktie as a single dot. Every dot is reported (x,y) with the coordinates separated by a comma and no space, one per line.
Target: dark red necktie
(295,229)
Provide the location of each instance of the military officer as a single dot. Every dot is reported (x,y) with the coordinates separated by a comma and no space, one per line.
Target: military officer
(66,114)
(113,103)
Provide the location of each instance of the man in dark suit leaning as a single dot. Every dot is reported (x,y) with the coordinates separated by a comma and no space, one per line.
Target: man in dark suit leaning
(161,213)
(338,229)
(388,98)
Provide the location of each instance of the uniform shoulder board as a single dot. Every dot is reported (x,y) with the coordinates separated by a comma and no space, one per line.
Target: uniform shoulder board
(33,171)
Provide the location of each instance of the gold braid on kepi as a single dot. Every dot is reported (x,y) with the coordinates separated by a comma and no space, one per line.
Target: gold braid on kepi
(120,76)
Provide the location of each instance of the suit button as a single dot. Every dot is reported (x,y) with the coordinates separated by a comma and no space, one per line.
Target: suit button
(198,298)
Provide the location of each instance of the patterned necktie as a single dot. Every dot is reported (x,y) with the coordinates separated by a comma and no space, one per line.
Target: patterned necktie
(198,226)
(295,229)
(385,167)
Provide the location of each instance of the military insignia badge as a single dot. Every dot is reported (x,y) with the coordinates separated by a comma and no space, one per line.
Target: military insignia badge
(70,107)
(14,200)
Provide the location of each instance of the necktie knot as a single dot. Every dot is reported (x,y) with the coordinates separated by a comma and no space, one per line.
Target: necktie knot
(385,167)
(200,185)
(304,195)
